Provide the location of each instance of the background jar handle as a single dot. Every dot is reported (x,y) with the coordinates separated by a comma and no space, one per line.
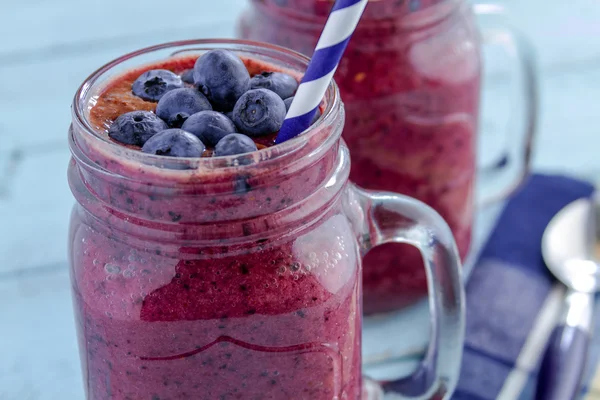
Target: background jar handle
(389,217)
(498,180)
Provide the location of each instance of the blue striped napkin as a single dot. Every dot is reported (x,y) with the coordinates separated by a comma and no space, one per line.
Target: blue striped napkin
(512,300)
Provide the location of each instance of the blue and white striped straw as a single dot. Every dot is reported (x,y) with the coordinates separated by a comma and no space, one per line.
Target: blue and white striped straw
(340,25)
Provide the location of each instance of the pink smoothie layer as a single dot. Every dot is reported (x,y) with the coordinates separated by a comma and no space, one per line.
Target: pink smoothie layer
(410,85)
(274,315)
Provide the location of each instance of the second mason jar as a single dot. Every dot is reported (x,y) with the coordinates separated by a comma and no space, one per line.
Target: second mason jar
(410,80)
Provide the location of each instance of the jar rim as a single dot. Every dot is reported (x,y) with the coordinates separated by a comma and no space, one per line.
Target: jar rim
(84,96)
(406,20)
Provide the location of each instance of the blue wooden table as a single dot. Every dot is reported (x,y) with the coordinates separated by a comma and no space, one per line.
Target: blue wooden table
(47,48)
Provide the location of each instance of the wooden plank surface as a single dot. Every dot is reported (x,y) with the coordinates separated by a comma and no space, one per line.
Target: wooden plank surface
(53,29)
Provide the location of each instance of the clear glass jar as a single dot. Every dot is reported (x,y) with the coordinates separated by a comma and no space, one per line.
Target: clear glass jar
(235,276)
(410,81)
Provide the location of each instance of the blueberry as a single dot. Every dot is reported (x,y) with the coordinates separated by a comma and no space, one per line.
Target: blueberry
(136,127)
(259,112)
(209,126)
(234,143)
(222,77)
(188,76)
(153,84)
(283,84)
(177,105)
(174,143)
(288,103)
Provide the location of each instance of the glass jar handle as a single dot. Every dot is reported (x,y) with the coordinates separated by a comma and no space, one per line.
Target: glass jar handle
(514,165)
(391,217)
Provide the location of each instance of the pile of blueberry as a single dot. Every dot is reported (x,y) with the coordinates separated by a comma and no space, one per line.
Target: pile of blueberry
(224,109)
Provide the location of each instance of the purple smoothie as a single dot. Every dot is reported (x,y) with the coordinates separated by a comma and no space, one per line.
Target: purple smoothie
(410,81)
(223,280)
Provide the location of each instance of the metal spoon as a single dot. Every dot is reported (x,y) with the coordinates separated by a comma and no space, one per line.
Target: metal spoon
(568,247)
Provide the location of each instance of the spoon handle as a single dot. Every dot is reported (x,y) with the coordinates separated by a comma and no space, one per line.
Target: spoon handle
(564,361)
